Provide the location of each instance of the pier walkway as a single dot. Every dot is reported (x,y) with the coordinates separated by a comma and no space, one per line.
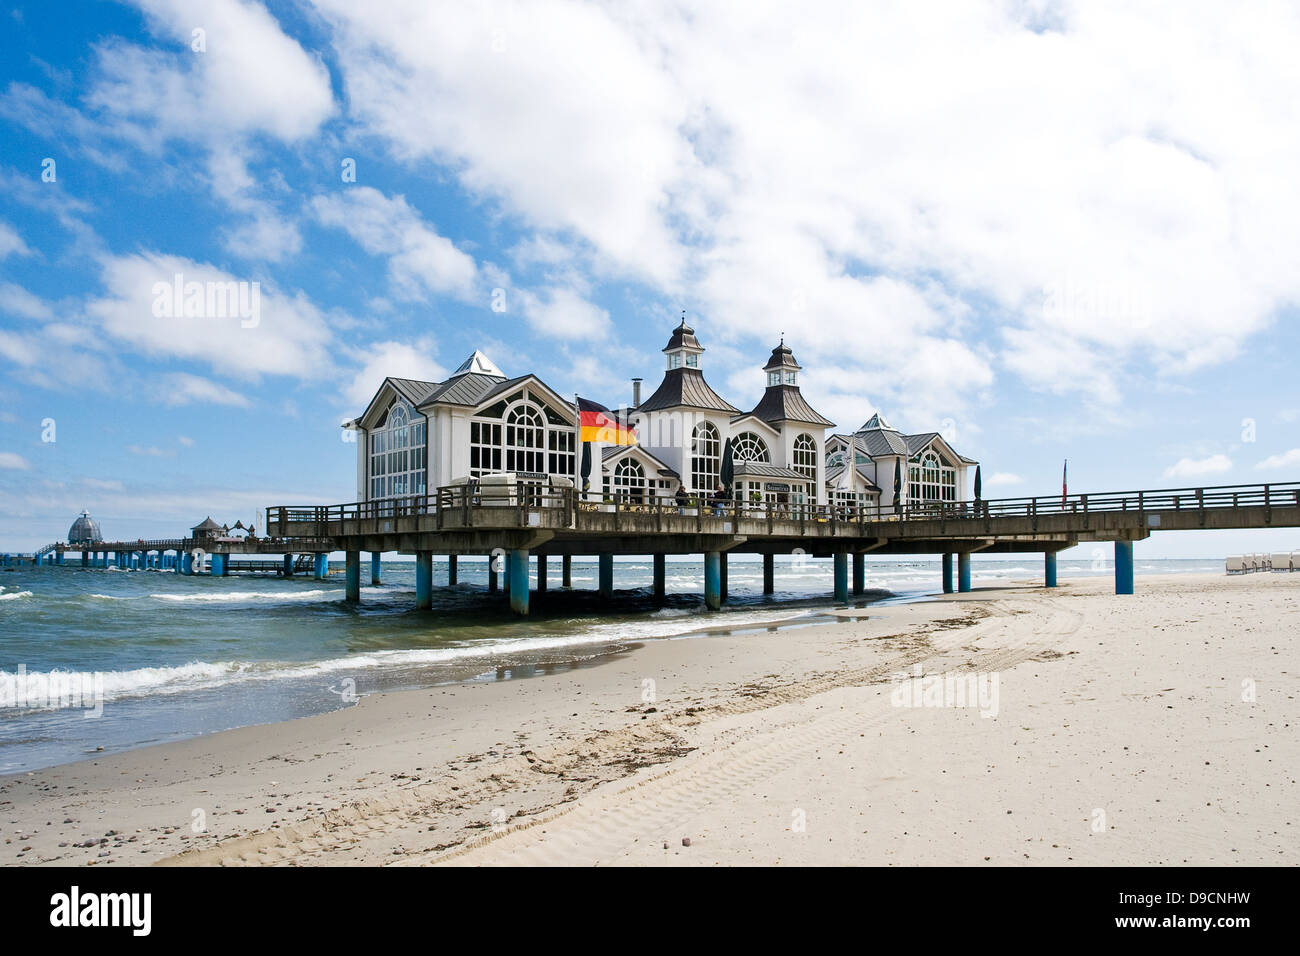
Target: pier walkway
(531,520)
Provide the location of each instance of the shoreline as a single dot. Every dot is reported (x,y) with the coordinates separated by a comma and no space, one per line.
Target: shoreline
(464,773)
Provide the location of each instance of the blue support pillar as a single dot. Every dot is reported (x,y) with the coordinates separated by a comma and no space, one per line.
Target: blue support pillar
(423,580)
(375,557)
(178,561)
(217,565)
(187,562)
(713,580)
(841,576)
(288,565)
(85,559)
(963,571)
(947,574)
(352,582)
(1049,569)
(60,561)
(606,575)
(322,569)
(519,581)
(859,573)
(1123,567)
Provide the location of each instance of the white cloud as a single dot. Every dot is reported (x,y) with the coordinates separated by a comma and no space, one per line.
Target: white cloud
(290,337)
(182,389)
(564,313)
(13,460)
(391,359)
(1288,459)
(1001,478)
(1195,467)
(420,262)
(151,451)
(185,440)
(11,244)
(856,176)
(15,300)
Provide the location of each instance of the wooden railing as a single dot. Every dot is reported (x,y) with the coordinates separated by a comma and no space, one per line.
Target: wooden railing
(453,506)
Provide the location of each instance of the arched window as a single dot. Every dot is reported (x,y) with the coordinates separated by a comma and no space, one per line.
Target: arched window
(521,435)
(749,447)
(525,439)
(629,481)
(805,456)
(398,454)
(930,479)
(706,457)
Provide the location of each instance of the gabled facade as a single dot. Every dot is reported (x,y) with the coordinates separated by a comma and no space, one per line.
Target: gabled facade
(862,467)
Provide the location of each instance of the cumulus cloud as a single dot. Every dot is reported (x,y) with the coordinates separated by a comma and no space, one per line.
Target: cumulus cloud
(11,244)
(13,460)
(1196,467)
(1287,459)
(420,262)
(289,336)
(1002,478)
(15,300)
(885,180)
(182,389)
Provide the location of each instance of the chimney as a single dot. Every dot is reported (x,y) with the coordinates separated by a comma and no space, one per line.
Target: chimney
(636,393)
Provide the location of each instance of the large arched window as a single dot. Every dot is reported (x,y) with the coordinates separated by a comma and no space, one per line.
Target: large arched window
(398,454)
(805,456)
(930,479)
(749,447)
(629,481)
(706,457)
(525,439)
(521,434)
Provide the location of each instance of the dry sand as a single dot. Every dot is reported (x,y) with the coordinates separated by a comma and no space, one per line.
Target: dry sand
(1121,737)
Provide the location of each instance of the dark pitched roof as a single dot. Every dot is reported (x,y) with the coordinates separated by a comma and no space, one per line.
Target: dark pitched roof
(782,357)
(683,337)
(207,525)
(916,442)
(880,441)
(785,403)
(469,388)
(685,387)
(759,469)
(413,390)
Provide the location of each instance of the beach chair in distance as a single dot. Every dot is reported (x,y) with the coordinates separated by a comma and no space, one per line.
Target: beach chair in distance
(1280,561)
(1232,564)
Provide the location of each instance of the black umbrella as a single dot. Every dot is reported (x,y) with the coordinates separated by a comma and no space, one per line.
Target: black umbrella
(898,484)
(978,484)
(728,467)
(586,467)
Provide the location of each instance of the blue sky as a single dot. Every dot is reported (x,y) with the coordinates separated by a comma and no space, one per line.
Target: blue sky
(1050,230)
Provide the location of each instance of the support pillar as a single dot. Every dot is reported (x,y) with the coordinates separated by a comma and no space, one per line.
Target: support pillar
(423,580)
(322,569)
(217,564)
(352,580)
(541,574)
(1123,567)
(660,563)
(713,579)
(606,575)
(1049,569)
(187,563)
(769,573)
(375,557)
(492,575)
(518,570)
(722,569)
(451,570)
(60,559)
(859,574)
(566,571)
(85,559)
(947,573)
(963,571)
(288,565)
(842,576)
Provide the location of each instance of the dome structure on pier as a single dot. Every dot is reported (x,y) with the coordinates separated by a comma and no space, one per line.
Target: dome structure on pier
(84,530)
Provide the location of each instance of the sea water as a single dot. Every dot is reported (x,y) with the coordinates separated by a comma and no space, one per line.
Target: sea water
(176,656)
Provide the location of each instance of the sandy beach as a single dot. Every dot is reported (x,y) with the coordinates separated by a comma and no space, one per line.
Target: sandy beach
(1153,729)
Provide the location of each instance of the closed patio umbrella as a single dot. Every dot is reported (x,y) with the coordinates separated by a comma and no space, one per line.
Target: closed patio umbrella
(898,484)
(586,467)
(728,475)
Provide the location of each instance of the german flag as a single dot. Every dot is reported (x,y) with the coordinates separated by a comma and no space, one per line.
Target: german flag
(599,424)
